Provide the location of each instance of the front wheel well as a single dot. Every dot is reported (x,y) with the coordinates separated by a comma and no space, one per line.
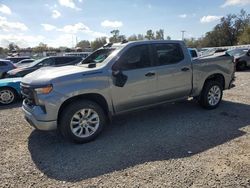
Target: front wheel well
(216,77)
(97,98)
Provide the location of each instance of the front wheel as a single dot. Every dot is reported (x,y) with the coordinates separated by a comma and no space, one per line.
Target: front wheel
(82,121)
(211,95)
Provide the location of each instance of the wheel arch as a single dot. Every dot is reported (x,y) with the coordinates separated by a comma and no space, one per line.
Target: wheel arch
(216,77)
(95,97)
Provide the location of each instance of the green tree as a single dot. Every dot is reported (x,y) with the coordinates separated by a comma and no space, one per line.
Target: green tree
(133,38)
(98,42)
(140,37)
(168,38)
(150,35)
(245,36)
(115,37)
(13,47)
(83,44)
(160,34)
(40,48)
(3,52)
(193,43)
(228,31)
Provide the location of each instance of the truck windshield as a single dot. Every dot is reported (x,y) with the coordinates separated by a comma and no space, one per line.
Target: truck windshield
(98,56)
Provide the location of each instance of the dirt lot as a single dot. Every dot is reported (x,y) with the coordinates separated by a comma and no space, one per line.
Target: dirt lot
(176,145)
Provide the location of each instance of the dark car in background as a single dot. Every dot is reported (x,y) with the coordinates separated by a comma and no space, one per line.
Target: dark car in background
(5,66)
(44,62)
(242,60)
(17,59)
(237,51)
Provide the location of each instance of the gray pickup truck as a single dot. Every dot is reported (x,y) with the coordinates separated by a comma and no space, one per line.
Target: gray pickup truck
(118,78)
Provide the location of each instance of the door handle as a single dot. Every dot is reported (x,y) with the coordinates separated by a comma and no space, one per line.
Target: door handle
(150,74)
(185,69)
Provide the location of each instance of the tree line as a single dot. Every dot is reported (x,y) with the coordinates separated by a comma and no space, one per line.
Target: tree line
(116,36)
(233,29)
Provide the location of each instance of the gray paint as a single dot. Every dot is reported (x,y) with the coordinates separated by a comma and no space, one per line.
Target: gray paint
(169,83)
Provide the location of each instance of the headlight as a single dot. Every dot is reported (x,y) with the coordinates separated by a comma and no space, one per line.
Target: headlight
(44,90)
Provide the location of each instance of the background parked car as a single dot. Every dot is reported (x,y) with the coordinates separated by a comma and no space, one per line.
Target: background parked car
(24,62)
(193,53)
(5,66)
(17,59)
(45,62)
(242,60)
(9,90)
(236,52)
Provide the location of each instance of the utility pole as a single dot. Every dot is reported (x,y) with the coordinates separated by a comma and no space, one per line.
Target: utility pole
(183,34)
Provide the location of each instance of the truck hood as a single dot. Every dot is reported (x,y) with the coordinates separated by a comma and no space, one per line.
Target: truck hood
(46,75)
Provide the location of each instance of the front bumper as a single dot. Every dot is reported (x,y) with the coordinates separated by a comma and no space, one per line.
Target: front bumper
(40,125)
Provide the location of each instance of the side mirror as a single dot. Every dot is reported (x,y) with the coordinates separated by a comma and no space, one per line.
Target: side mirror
(119,79)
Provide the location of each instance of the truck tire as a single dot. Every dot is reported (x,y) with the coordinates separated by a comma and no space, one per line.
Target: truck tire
(82,121)
(241,66)
(211,95)
(8,96)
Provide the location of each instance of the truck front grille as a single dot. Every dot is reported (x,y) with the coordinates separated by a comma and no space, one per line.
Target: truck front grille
(28,94)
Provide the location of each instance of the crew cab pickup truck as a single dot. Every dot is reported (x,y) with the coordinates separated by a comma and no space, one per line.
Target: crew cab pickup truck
(118,78)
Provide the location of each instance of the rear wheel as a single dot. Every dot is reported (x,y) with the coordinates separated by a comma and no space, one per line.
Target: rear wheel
(211,95)
(7,96)
(82,121)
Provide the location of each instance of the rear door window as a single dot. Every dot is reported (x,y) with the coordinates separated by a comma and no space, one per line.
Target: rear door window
(135,58)
(167,54)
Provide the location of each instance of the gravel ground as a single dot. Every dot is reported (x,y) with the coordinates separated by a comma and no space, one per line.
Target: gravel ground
(176,145)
